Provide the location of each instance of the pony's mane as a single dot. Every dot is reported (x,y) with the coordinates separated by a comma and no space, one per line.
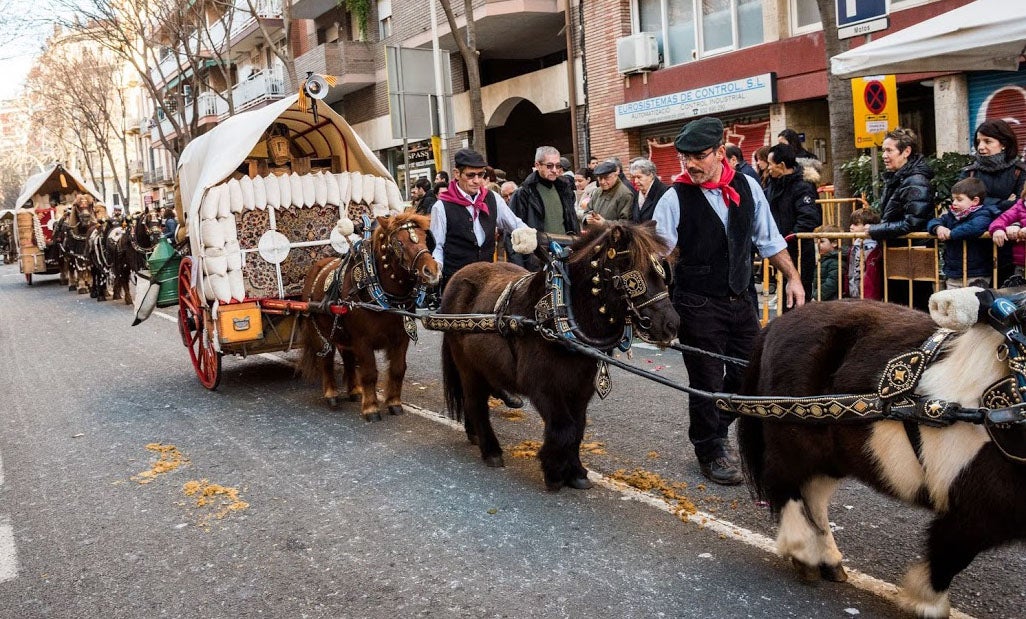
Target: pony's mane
(642,242)
(392,222)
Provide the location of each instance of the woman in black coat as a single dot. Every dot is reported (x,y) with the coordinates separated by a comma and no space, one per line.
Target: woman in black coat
(650,189)
(998,165)
(906,205)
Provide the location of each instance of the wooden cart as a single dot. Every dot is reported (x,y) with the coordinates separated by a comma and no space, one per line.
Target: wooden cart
(264,195)
(36,215)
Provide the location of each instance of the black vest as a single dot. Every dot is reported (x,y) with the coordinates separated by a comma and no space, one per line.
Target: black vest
(461,246)
(713,261)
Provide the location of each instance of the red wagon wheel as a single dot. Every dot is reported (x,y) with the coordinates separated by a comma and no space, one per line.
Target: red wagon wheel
(205,360)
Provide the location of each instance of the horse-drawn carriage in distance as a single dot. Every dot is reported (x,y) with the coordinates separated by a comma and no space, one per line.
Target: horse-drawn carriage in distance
(266,195)
(39,209)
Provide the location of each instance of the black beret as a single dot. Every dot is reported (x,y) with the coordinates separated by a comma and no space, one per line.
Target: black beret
(467,158)
(606,167)
(699,135)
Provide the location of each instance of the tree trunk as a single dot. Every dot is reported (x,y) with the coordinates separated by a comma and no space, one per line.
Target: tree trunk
(842,122)
(468,50)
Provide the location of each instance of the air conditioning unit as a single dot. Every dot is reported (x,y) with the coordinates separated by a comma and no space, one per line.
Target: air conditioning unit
(637,53)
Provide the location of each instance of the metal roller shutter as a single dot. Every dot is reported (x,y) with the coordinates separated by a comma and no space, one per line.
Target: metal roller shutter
(999,94)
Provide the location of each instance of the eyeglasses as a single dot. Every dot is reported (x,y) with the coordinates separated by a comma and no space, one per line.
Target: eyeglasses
(550,166)
(473,175)
(685,157)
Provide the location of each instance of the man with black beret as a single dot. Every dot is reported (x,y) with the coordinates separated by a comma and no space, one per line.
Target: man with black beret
(466,216)
(714,216)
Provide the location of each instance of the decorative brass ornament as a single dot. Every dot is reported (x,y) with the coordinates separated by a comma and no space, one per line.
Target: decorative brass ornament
(634,283)
(594,264)
(413,236)
(611,253)
(596,279)
(602,309)
(596,291)
(658,266)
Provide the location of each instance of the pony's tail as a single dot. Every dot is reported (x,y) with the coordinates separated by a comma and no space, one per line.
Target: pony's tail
(310,363)
(452,385)
(750,438)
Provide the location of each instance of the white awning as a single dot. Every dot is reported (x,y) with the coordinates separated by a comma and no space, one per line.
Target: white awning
(984,35)
(50,180)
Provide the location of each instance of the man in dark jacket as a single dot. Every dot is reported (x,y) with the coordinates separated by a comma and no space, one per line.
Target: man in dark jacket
(545,200)
(906,205)
(792,199)
(423,196)
(737,159)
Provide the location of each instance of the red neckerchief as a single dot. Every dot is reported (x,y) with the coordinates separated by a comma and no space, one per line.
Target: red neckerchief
(453,194)
(730,195)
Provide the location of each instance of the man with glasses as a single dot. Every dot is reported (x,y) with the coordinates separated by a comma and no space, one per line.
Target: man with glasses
(466,216)
(545,200)
(611,199)
(713,216)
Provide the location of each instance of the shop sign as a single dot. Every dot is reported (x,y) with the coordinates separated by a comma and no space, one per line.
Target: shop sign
(702,101)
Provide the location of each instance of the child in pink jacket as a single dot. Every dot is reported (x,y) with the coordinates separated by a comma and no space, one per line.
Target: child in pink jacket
(1008,227)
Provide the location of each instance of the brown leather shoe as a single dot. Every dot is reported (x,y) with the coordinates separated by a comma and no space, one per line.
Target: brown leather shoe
(722,471)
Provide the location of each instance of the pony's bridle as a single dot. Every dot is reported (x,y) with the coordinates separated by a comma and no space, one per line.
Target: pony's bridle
(632,286)
(395,246)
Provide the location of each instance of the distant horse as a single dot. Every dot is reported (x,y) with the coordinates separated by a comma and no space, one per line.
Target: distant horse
(615,276)
(957,471)
(81,223)
(398,262)
(128,251)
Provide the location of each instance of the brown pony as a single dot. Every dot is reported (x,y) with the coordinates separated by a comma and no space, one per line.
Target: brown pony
(402,262)
(81,223)
(957,471)
(559,382)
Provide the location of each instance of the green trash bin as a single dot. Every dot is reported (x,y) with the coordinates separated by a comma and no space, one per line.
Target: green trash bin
(163,264)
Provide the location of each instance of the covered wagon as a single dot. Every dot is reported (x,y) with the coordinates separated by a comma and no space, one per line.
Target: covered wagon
(265,195)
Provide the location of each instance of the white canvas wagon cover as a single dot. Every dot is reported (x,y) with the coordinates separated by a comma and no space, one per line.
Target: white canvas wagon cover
(49,181)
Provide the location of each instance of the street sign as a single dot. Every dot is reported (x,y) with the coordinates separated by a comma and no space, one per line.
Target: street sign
(859,17)
(875,102)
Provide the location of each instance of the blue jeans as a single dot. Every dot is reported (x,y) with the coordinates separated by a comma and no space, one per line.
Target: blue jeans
(723,325)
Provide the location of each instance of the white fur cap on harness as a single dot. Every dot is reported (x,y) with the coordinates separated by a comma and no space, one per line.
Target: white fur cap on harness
(525,240)
(955,309)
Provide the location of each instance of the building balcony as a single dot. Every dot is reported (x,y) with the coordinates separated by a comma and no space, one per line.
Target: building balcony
(209,108)
(312,9)
(136,171)
(245,33)
(132,125)
(505,29)
(260,88)
(170,66)
(351,61)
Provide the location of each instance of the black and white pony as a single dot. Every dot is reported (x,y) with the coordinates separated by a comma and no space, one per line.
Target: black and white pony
(978,494)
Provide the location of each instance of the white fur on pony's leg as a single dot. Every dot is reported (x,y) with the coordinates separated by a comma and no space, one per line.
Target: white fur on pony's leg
(817,493)
(955,309)
(919,597)
(796,538)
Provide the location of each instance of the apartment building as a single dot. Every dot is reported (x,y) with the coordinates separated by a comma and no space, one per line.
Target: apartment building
(761,67)
(221,65)
(523,60)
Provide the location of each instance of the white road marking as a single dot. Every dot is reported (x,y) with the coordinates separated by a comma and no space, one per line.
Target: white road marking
(870,584)
(8,551)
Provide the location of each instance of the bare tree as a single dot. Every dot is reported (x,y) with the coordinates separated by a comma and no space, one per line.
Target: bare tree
(468,50)
(88,109)
(842,121)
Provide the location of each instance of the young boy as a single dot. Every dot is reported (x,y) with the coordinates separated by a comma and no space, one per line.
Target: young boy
(864,251)
(966,219)
(824,286)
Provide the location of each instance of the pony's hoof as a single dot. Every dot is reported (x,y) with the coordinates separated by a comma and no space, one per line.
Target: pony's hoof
(807,573)
(495,462)
(833,573)
(395,409)
(354,396)
(72,287)
(580,483)
(333,401)
(553,486)
(375,416)
(83,291)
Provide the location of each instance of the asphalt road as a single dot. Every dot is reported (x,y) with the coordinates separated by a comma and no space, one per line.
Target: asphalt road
(324,515)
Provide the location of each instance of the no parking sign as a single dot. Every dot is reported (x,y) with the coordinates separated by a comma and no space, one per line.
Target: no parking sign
(875,102)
